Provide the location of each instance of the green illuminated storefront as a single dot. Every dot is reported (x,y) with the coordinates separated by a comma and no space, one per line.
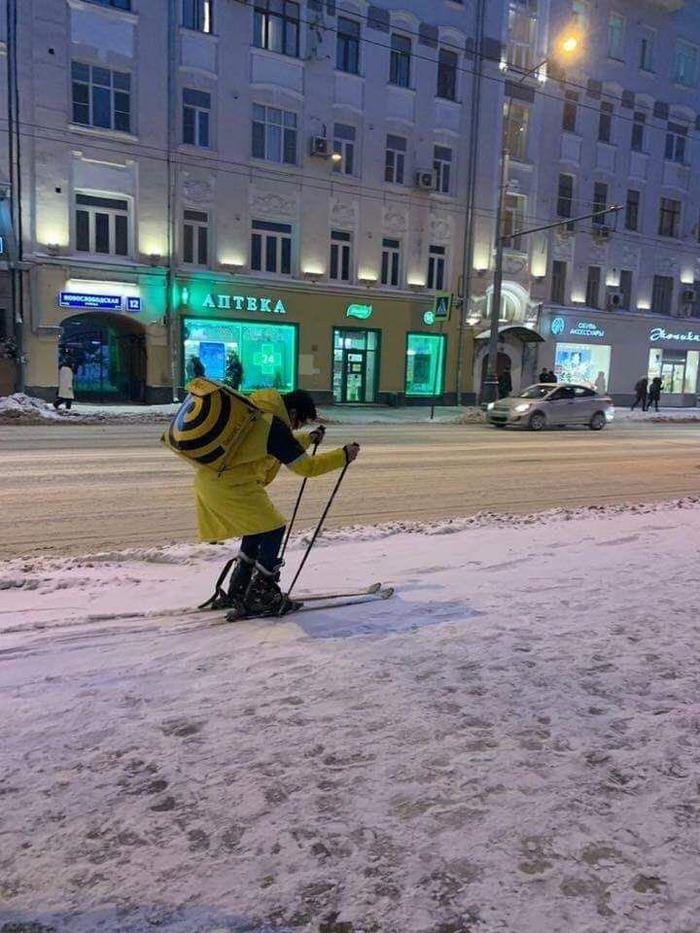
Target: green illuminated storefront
(342,348)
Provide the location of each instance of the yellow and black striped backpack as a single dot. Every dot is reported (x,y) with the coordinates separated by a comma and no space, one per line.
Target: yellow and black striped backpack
(212,423)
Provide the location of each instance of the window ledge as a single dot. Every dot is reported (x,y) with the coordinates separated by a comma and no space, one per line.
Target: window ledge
(200,150)
(350,74)
(275,166)
(186,31)
(276,56)
(449,100)
(409,91)
(102,133)
(128,15)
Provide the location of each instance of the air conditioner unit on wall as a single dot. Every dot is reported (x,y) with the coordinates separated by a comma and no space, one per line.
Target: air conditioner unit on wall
(425,180)
(320,146)
(615,300)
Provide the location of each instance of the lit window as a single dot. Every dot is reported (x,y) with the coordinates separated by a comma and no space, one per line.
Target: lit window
(425,364)
(197,15)
(276,26)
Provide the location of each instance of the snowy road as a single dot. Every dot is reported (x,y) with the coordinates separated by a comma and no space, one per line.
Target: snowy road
(511,745)
(74,489)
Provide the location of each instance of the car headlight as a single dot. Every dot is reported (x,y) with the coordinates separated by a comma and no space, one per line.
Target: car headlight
(521,408)
(490,406)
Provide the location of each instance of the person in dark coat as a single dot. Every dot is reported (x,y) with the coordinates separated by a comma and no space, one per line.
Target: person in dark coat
(654,395)
(544,375)
(234,371)
(505,384)
(640,393)
(552,377)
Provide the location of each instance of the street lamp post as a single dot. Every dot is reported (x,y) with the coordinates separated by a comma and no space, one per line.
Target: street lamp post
(568,45)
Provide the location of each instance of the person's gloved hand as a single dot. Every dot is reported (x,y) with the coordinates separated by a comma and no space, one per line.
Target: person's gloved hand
(351,451)
(318,434)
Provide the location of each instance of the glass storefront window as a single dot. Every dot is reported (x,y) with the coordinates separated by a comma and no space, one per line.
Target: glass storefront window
(425,364)
(582,362)
(243,354)
(678,370)
(691,372)
(656,358)
(355,365)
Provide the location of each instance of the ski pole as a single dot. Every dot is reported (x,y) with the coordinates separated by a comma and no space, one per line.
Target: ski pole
(298,503)
(318,528)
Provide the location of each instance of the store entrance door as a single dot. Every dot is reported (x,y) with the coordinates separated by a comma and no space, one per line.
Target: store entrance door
(355,365)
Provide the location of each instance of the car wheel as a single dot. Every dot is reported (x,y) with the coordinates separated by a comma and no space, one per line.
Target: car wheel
(498,424)
(538,421)
(597,422)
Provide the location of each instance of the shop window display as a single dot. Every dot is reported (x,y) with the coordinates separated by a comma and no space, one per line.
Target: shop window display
(580,362)
(244,354)
(678,370)
(425,365)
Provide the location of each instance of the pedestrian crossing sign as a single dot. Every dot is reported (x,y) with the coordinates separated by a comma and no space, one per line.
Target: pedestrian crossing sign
(442,306)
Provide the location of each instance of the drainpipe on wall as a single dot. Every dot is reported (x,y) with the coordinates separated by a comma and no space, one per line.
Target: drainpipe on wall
(15,193)
(171,317)
(468,256)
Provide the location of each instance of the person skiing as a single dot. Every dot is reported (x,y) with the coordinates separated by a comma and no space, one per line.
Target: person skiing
(640,392)
(235,504)
(654,395)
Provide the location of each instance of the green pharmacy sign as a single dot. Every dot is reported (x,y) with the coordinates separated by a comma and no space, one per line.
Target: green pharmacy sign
(361,312)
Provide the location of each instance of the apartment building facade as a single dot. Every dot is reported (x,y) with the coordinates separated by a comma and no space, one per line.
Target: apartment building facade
(278,184)
(616,296)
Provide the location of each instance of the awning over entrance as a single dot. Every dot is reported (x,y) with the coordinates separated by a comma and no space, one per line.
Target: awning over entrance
(526,334)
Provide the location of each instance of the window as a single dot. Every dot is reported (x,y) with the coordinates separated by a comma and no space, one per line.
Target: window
(267,352)
(341,254)
(637,140)
(436,268)
(425,364)
(646,51)
(101,225)
(676,138)
(395,159)
(347,56)
(565,194)
(276,26)
(669,217)
(197,14)
(558,281)
(662,294)
(400,62)
(515,133)
(522,36)
(583,362)
(442,165)
(274,134)
(632,210)
(514,221)
(616,35)
(580,13)
(570,111)
(600,202)
(101,97)
(391,262)
(605,122)
(447,74)
(196,113)
(195,238)
(626,289)
(117,4)
(685,64)
(593,287)
(271,247)
(344,144)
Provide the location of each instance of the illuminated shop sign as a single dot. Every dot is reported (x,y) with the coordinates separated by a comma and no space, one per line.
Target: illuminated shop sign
(244,303)
(361,312)
(660,333)
(89,302)
(579,329)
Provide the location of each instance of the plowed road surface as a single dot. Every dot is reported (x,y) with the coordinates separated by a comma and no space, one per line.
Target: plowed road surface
(84,488)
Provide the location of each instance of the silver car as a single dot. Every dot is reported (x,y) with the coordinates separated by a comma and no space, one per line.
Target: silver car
(544,405)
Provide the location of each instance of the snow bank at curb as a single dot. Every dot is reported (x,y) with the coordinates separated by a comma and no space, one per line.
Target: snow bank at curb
(26,409)
(18,571)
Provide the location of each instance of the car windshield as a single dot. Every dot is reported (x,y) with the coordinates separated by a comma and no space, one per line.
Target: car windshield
(538,391)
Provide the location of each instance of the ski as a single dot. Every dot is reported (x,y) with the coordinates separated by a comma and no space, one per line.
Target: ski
(364,599)
(367,591)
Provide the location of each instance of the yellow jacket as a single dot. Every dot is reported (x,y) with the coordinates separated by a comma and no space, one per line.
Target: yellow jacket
(235,503)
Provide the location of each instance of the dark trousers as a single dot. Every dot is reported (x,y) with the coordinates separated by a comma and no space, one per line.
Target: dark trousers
(653,401)
(641,397)
(58,400)
(264,547)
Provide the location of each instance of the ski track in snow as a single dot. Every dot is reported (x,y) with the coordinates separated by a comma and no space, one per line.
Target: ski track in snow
(510,744)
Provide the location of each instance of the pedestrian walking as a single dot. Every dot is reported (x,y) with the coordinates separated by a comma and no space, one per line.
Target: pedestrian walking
(544,375)
(600,384)
(235,504)
(64,393)
(654,395)
(505,384)
(552,377)
(195,368)
(640,393)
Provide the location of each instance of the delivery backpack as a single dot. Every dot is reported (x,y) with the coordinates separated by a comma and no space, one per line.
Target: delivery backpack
(212,423)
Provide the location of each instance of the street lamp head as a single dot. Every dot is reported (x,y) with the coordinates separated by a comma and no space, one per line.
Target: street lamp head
(570,43)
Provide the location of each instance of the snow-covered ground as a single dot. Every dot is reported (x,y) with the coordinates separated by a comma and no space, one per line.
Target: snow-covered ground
(511,744)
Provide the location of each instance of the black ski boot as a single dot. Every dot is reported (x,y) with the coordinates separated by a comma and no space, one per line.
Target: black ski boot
(264,596)
(233,597)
